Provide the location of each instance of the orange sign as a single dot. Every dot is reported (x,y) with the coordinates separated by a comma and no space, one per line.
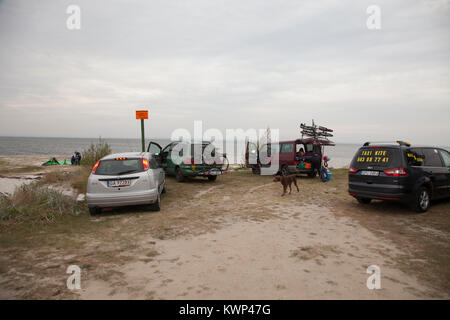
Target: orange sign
(141,114)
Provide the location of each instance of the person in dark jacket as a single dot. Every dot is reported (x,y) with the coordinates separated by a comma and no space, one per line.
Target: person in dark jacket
(77,158)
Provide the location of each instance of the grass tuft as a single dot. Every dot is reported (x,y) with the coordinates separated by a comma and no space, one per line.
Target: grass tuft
(36,204)
(95,152)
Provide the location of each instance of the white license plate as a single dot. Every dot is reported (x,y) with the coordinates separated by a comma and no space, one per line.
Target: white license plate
(214,172)
(370,173)
(119,183)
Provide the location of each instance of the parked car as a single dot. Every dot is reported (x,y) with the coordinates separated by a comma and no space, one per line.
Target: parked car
(178,159)
(124,179)
(400,172)
(289,154)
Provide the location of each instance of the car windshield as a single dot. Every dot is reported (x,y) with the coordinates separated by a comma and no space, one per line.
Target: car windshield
(117,167)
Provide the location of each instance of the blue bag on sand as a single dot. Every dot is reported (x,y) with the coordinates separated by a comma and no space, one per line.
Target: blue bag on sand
(324,174)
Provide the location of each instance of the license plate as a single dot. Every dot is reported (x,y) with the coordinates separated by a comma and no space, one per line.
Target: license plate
(370,173)
(215,172)
(119,183)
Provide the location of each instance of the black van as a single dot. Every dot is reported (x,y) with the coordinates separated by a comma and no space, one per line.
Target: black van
(413,175)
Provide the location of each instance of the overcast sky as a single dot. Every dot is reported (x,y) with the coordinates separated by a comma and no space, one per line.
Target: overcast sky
(231,64)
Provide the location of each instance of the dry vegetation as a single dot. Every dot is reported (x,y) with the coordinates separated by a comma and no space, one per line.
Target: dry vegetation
(95,152)
(39,202)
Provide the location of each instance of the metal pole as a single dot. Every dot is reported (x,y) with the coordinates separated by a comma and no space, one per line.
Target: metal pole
(142,135)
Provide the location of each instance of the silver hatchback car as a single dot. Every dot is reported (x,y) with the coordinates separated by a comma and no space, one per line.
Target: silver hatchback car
(123,179)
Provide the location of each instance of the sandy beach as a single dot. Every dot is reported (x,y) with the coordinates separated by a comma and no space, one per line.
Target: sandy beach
(235,238)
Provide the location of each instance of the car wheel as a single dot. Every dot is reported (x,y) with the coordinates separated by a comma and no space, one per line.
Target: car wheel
(94,211)
(312,174)
(164,189)
(212,178)
(178,175)
(256,171)
(422,200)
(284,170)
(364,200)
(157,205)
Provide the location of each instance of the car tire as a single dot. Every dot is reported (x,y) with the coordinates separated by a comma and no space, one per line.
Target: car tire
(212,178)
(157,205)
(178,175)
(422,200)
(94,211)
(164,189)
(312,174)
(364,200)
(256,171)
(284,170)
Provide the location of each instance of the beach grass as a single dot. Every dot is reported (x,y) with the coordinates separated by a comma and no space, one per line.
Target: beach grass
(95,152)
(78,180)
(36,204)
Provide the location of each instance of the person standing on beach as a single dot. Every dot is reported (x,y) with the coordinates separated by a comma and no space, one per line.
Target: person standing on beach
(77,158)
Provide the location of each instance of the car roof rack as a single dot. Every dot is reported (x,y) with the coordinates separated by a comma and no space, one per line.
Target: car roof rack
(315,131)
(399,142)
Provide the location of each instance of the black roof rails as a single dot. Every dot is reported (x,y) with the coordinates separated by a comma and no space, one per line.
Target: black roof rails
(402,143)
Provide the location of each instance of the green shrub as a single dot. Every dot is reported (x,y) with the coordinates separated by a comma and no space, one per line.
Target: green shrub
(95,152)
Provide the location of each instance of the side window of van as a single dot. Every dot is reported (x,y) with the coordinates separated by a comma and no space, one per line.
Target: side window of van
(432,158)
(287,148)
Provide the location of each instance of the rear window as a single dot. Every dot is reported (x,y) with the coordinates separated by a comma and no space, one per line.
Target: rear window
(197,147)
(118,167)
(376,157)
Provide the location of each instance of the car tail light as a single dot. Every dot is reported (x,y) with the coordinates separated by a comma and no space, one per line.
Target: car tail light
(94,168)
(396,172)
(145,164)
(352,170)
(188,161)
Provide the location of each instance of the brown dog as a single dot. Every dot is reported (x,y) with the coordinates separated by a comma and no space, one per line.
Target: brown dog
(286,181)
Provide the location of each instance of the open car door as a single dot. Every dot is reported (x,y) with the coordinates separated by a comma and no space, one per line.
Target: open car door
(155,150)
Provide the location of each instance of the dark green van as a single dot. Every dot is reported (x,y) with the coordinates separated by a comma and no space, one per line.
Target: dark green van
(179,159)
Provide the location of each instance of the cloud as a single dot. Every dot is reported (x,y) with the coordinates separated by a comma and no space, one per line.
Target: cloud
(232,64)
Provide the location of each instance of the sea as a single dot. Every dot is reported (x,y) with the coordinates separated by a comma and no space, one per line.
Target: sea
(341,154)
